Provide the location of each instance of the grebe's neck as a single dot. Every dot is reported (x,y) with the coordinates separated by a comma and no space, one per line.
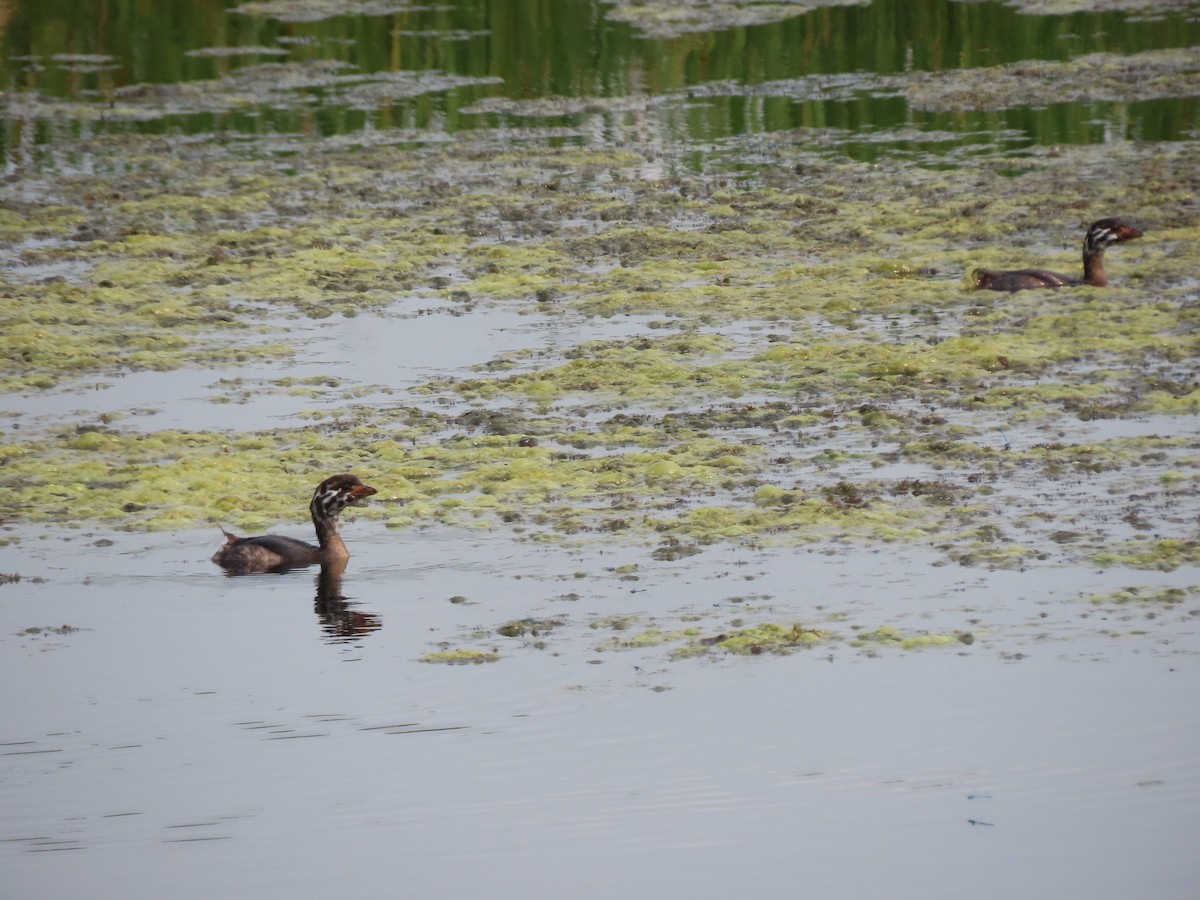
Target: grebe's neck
(1093,266)
(333,548)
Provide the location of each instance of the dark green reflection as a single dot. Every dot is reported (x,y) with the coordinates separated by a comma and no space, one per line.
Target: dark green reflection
(88,51)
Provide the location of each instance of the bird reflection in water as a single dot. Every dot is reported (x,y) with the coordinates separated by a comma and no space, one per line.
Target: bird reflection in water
(339,620)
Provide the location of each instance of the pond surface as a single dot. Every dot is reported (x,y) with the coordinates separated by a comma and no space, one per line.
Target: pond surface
(216,732)
(725,543)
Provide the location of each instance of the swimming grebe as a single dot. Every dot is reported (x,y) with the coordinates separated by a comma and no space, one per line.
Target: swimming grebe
(276,553)
(1099,236)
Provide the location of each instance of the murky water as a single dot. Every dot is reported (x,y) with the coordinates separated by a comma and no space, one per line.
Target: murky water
(650,712)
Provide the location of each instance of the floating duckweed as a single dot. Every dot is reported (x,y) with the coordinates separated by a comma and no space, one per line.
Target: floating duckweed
(531,627)
(1164,555)
(460,657)
(767,638)
(673,549)
(819,310)
(888,636)
(664,470)
(619,622)
(770,495)
(650,637)
(251,442)
(93,440)
(884,634)
(928,640)
(1149,595)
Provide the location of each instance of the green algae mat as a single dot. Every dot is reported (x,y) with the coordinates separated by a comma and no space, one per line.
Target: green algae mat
(757,280)
(808,362)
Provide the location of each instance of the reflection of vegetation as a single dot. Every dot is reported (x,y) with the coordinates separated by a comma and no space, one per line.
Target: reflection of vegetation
(110,62)
(1097,77)
(320,10)
(672,19)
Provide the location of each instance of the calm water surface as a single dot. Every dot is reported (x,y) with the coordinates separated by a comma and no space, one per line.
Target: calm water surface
(205,735)
(168,730)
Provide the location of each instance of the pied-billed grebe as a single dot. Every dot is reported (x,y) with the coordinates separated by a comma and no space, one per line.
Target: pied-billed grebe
(1099,236)
(276,553)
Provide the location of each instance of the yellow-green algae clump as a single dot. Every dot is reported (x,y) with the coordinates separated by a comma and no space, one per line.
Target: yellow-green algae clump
(887,636)
(461,657)
(764,638)
(1150,595)
(1165,555)
(812,335)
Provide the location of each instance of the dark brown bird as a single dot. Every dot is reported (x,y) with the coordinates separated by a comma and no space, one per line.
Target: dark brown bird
(276,553)
(1099,236)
